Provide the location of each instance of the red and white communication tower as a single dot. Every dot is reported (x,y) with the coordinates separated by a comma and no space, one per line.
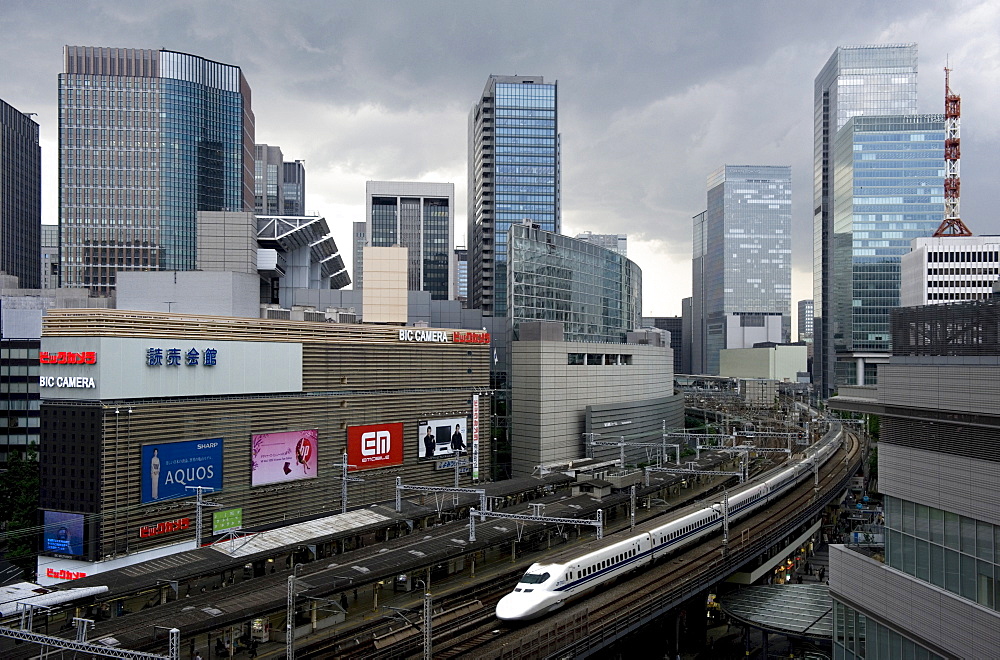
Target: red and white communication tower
(952,225)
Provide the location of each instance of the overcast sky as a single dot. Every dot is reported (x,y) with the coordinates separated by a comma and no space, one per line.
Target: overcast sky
(653,96)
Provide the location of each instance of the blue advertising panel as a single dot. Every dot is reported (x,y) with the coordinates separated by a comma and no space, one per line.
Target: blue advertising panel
(168,468)
(64,532)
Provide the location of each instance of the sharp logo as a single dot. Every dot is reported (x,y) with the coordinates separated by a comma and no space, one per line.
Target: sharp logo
(374,446)
(374,443)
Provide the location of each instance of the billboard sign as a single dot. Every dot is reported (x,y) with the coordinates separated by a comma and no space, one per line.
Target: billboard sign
(63,533)
(475,437)
(178,525)
(374,446)
(286,456)
(443,438)
(91,368)
(168,468)
(226,520)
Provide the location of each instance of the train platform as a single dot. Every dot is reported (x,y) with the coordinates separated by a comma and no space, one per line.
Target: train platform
(372,603)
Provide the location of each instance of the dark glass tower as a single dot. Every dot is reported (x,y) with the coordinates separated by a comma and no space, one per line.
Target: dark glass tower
(513,178)
(147,139)
(20,197)
(294,188)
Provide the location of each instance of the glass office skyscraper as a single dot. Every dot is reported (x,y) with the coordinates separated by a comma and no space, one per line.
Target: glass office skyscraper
(147,139)
(856,80)
(513,177)
(888,185)
(20,197)
(742,261)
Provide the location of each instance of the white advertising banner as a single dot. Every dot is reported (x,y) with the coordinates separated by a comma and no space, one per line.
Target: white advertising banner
(89,368)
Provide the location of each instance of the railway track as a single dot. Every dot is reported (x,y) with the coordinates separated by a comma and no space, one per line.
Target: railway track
(606,612)
(479,634)
(457,637)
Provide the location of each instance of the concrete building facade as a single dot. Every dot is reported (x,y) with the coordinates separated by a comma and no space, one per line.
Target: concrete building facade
(626,390)
(257,410)
(385,297)
(935,593)
(942,269)
(780,363)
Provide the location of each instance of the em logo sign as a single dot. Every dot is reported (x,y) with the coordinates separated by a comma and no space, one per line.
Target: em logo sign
(374,446)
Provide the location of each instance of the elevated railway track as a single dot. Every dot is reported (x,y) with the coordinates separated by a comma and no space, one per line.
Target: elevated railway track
(587,627)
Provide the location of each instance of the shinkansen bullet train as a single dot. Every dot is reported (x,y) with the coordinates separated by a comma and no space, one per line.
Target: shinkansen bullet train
(546,587)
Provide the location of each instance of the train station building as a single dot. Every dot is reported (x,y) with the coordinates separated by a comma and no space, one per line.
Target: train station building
(139,409)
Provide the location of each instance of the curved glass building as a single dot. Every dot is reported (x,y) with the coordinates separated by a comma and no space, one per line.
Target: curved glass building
(594,292)
(147,138)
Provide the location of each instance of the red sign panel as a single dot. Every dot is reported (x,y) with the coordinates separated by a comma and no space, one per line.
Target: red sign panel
(164,527)
(471,337)
(67,357)
(63,574)
(374,446)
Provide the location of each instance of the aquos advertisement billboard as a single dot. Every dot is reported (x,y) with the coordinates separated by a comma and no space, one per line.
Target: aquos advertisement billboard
(169,468)
(285,456)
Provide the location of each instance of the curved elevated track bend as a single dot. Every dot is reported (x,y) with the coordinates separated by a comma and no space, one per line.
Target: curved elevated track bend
(589,625)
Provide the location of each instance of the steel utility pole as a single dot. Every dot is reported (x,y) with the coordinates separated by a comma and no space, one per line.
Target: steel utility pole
(199,504)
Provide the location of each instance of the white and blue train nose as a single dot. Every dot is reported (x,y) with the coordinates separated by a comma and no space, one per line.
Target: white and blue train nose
(522,606)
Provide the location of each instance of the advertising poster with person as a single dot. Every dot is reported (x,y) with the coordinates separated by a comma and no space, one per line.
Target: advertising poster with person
(287,456)
(169,468)
(443,438)
(64,533)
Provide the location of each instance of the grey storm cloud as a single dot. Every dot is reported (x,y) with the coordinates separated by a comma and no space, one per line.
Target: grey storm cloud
(653,95)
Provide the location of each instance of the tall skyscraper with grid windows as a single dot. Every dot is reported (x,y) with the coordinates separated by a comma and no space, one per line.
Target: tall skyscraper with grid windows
(742,261)
(147,138)
(856,80)
(513,178)
(888,190)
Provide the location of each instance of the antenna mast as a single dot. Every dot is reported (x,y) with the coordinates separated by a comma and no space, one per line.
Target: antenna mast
(952,224)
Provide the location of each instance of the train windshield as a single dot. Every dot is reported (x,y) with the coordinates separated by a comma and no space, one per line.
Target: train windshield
(534,578)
